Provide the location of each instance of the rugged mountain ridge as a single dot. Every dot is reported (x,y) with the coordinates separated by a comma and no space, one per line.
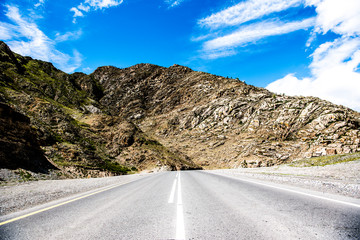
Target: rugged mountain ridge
(221,122)
(147,116)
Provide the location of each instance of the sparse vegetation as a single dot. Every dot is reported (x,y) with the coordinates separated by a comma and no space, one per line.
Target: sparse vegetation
(24,175)
(325,160)
(147,142)
(115,167)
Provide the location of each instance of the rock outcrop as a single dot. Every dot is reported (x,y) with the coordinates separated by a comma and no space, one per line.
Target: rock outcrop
(19,147)
(152,117)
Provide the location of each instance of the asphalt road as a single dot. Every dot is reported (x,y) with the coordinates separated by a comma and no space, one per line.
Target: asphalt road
(188,205)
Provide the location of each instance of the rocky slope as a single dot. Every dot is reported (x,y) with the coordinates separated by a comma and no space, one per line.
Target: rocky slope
(18,144)
(221,122)
(76,133)
(147,116)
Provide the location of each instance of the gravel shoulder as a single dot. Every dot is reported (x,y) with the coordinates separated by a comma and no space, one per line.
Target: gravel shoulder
(341,179)
(32,193)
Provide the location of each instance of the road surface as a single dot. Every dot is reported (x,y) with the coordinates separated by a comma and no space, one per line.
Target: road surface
(188,205)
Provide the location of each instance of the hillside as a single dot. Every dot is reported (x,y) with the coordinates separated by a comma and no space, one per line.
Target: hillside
(76,133)
(148,117)
(221,122)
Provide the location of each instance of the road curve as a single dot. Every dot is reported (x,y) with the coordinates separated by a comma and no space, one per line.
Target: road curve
(188,205)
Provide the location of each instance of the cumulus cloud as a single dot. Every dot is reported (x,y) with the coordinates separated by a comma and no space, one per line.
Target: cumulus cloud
(334,74)
(341,17)
(93,5)
(335,64)
(77,13)
(24,37)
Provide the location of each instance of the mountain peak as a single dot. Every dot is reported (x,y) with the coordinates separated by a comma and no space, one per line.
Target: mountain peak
(6,55)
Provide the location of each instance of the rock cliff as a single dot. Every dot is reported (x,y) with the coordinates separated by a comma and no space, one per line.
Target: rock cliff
(19,147)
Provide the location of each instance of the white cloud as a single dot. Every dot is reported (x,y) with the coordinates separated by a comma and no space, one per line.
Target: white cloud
(38,42)
(73,62)
(68,36)
(40,3)
(6,31)
(84,8)
(334,75)
(254,32)
(337,85)
(77,12)
(341,52)
(87,70)
(335,64)
(25,38)
(223,41)
(92,5)
(341,17)
(173,3)
(214,54)
(246,11)
(99,4)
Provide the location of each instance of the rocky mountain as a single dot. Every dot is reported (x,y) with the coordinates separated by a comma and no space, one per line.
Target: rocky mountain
(150,117)
(76,133)
(221,122)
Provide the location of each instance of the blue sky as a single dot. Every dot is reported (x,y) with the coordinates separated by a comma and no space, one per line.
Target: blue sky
(297,47)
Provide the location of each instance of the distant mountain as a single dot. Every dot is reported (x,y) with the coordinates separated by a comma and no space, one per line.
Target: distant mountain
(151,117)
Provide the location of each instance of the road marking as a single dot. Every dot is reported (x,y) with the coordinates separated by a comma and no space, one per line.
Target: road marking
(302,193)
(60,204)
(172,193)
(180,229)
(179,197)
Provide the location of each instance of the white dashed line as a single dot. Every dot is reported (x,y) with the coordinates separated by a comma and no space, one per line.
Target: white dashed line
(180,229)
(172,194)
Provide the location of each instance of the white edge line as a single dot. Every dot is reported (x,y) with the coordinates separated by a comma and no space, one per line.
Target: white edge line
(100,190)
(298,192)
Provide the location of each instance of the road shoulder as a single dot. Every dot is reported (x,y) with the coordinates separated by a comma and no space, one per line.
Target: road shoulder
(330,181)
(33,193)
